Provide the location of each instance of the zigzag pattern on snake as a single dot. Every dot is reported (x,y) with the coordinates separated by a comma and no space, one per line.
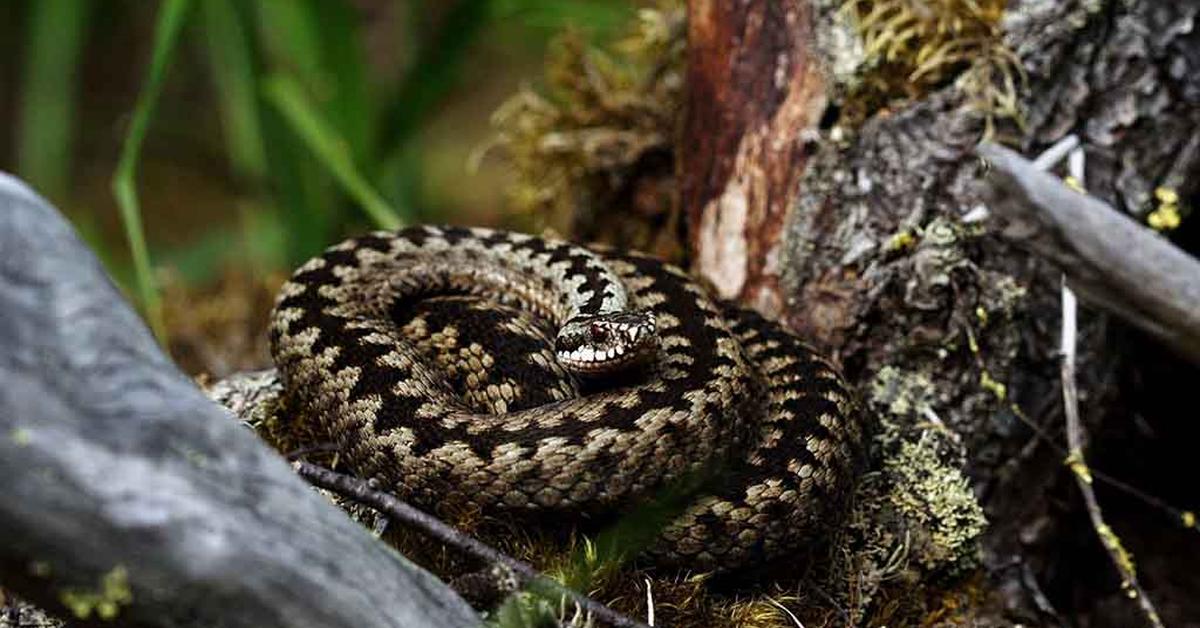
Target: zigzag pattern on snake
(566,380)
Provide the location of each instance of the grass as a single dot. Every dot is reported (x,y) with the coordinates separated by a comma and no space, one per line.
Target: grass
(44,147)
(170,21)
(314,139)
(332,150)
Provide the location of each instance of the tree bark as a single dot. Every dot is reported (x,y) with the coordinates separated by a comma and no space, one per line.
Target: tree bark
(128,496)
(754,94)
(874,262)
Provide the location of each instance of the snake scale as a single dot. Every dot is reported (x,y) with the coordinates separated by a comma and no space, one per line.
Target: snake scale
(515,373)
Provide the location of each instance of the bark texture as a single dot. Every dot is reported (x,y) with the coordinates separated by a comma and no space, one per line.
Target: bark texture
(129,497)
(878,267)
(754,93)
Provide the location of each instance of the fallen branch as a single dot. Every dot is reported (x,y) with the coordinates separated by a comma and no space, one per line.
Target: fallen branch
(1110,260)
(131,499)
(362,492)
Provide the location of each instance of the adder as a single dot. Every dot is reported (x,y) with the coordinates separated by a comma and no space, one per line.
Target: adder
(515,373)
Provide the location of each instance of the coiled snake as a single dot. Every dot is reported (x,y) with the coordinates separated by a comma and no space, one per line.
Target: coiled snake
(565,380)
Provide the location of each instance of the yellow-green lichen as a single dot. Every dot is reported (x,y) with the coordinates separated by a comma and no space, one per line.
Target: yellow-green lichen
(938,498)
(1166,216)
(902,393)
(21,436)
(1076,463)
(915,520)
(105,601)
(901,241)
(1120,556)
(991,385)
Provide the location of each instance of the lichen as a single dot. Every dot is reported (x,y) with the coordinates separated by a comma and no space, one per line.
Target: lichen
(1166,216)
(901,394)
(938,500)
(916,526)
(105,601)
(21,436)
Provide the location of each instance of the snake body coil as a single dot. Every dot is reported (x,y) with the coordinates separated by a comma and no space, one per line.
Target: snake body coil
(475,399)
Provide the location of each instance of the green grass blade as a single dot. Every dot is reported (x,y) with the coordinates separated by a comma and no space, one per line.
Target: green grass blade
(56,34)
(319,44)
(234,71)
(328,147)
(171,16)
(349,104)
(435,71)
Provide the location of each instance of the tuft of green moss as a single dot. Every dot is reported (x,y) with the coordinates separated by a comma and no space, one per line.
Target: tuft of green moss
(911,47)
(595,142)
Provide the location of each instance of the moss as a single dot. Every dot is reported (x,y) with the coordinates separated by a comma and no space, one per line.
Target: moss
(525,611)
(595,145)
(105,601)
(911,47)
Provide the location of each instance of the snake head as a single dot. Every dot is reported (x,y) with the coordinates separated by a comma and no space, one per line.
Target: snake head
(604,343)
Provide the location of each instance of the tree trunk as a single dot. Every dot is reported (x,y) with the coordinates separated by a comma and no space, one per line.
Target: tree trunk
(863,247)
(754,93)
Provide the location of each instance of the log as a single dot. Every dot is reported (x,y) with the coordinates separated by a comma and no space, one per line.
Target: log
(1110,260)
(128,498)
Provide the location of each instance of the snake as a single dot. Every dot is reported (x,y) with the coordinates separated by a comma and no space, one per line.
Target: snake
(513,373)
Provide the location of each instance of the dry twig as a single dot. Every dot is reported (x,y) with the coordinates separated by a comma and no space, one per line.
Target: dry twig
(1121,558)
(362,492)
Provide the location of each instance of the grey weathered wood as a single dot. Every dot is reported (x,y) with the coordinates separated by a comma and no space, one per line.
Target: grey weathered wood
(1108,258)
(111,459)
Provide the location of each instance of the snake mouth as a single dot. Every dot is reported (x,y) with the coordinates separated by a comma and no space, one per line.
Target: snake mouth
(605,343)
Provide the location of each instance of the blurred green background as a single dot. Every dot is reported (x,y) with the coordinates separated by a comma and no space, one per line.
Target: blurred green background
(255,132)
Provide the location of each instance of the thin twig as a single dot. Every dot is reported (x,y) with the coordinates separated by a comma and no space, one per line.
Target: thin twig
(1083,477)
(1185,518)
(1068,148)
(1121,558)
(362,492)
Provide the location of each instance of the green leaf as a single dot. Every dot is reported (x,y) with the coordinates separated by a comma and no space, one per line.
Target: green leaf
(57,29)
(328,147)
(171,16)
